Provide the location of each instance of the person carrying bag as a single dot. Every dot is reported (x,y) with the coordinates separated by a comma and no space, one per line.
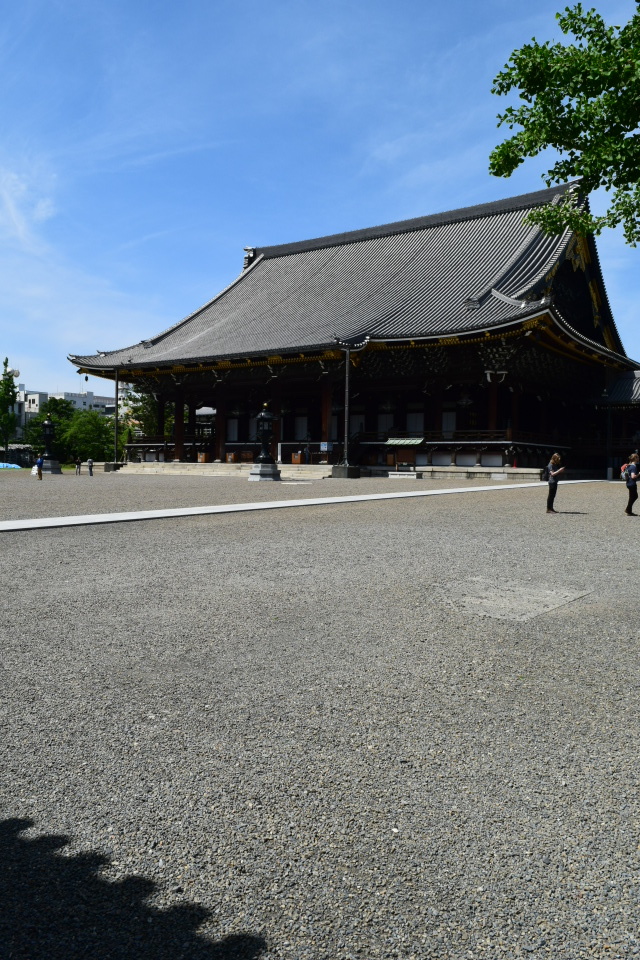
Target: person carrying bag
(632,473)
(553,471)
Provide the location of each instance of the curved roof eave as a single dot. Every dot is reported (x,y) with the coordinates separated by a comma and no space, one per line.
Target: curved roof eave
(548,310)
(519,276)
(593,250)
(514,321)
(579,338)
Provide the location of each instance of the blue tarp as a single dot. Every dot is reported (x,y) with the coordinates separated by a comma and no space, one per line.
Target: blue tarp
(9,466)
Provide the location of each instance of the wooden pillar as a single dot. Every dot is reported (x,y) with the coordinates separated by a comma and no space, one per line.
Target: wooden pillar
(178,427)
(515,412)
(436,412)
(191,428)
(325,409)
(492,412)
(542,419)
(220,429)
(400,422)
(512,424)
(275,407)
(160,415)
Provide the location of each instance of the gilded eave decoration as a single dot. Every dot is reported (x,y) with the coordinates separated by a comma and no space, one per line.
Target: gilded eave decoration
(541,325)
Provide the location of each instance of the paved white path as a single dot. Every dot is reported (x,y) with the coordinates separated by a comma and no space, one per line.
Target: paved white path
(93,518)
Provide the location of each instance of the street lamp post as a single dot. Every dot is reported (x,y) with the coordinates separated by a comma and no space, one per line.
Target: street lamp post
(10,372)
(50,464)
(347,425)
(115,420)
(349,346)
(264,467)
(609,445)
(606,402)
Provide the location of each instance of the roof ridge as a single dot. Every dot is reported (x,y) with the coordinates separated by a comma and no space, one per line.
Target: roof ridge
(492,208)
(529,242)
(593,344)
(152,341)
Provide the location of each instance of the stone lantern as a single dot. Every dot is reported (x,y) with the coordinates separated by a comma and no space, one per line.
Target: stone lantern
(264,467)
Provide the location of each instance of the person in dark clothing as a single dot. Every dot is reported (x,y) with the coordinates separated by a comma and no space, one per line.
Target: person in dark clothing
(632,483)
(554,470)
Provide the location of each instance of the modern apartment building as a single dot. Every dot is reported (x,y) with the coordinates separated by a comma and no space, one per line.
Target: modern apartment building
(86,401)
(30,402)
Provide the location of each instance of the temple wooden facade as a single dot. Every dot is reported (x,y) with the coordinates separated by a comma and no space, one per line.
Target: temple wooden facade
(472,338)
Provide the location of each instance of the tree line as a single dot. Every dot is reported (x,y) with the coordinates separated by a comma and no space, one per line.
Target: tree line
(78,433)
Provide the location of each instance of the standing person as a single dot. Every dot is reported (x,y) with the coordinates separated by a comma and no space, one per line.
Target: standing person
(90,466)
(78,466)
(554,469)
(39,465)
(633,472)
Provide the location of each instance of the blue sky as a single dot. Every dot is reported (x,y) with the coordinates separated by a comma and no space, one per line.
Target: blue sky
(145,144)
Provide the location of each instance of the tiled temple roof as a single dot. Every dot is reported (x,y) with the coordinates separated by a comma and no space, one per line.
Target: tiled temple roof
(625,390)
(466,271)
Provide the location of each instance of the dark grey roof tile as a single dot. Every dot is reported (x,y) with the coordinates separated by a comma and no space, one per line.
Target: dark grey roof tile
(626,389)
(407,280)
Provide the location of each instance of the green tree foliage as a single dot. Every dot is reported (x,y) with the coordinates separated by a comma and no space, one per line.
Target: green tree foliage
(78,433)
(8,399)
(141,414)
(582,99)
(58,409)
(88,434)
(61,413)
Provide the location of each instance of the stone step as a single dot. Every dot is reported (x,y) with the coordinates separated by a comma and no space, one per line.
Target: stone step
(289,471)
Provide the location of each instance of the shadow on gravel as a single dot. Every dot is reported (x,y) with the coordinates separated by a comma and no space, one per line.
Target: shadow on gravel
(58,908)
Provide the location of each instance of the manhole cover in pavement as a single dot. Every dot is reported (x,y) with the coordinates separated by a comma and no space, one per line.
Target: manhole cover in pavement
(506,600)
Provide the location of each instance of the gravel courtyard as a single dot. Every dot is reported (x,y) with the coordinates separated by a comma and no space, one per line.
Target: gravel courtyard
(402,728)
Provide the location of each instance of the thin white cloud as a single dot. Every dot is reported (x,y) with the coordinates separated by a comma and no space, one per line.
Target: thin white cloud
(44,209)
(140,241)
(24,203)
(13,221)
(49,308)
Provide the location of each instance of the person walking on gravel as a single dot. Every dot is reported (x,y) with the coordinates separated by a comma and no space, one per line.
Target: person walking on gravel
(633,471)
(555,470)
(78,463)
(90,466)
(39,465)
